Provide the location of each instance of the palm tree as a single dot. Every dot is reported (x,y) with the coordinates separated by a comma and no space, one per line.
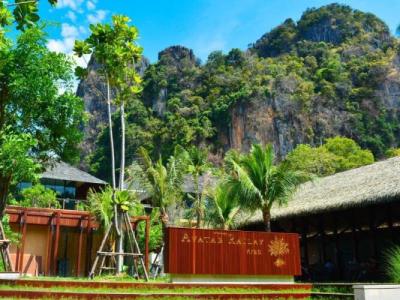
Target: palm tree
(224,209)
(259,183)
(162,182)
(197,165)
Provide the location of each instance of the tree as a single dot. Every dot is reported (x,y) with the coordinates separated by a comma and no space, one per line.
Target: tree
(336,155)
(259,183)
(114,47)
(318,161)
(349,152)
(39,196)
(162,183)
(223,207)
(197,165)
(37,122)
(24,13)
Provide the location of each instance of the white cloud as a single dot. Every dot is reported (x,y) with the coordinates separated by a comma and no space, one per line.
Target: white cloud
(72,4)
(69,34)
(97,17)
(71,15)
(90,5)
(68,30)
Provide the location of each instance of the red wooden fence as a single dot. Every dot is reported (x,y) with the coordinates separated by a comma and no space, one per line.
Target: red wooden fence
(205,251)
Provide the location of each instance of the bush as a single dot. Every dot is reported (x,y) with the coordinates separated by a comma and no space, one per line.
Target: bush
(39,196)
(392,267)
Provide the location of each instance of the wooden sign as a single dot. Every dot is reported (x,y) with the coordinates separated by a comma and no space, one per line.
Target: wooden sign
(205,251)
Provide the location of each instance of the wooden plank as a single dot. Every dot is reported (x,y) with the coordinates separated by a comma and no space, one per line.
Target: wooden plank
(23,238)
(78,262)
(56,242)
(118,253)
(206,251)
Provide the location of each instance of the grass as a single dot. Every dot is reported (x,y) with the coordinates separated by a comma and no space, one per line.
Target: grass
(154,290)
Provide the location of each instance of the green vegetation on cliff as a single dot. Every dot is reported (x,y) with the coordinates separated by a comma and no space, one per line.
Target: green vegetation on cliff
(330,74)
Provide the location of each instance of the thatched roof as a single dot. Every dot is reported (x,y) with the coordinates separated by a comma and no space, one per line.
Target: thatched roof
(63,171)
(375,183)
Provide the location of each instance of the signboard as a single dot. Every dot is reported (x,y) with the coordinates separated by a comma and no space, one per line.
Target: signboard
(223,252)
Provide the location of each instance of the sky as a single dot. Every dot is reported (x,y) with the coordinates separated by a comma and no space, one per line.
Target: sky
(202,25)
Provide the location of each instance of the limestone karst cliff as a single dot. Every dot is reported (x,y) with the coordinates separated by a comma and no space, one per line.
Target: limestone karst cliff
(333,72)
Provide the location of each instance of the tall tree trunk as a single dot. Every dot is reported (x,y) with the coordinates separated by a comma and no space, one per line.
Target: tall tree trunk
(4,187)
(111,134)
(116,216)
(122,165)
(120,243)
(267,218)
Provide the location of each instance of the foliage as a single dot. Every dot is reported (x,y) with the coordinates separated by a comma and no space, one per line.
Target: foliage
(259,183)
(321,76)
(337,154)
(196,164)
(392,152)
(11,235)
(24,13)
(101,204)
(39,196)
(224,207)
(156,233)
(14,156)
(37,122)
(162,182)
(114,47)
(392,266)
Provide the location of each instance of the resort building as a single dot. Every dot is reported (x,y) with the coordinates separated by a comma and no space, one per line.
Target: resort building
(71,184)
(57,241)
(346,222)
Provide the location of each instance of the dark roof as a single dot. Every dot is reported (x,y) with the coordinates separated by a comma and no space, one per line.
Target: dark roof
(64,171)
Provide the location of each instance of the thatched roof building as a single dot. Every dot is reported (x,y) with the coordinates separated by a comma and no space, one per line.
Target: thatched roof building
(371,184)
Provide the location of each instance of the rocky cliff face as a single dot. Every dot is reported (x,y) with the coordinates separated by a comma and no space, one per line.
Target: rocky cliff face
(93,91)
(336,71)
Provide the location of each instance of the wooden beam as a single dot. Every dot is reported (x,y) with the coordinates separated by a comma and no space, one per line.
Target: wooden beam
(304,241)
(89,245)
(146,245)
(78,263)
(56,242)
(23,238)
(354,235)
(48,246)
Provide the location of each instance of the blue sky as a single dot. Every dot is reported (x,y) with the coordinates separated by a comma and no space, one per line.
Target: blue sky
(203,25)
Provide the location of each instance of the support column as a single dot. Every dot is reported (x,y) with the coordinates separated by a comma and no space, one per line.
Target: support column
(146,245)
(57,239)
(78,262)
(305,242)
(23,238)
(48,245)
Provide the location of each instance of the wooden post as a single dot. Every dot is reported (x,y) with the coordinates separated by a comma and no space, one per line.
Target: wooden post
(78,263)
(89,242)
(337,257)
(23,238)
(146,245)
(305,242)
(354,234)
(48,245)
(57,239)
(321,230)
(373,231)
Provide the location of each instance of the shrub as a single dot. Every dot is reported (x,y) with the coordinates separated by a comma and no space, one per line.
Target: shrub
(39,196)
(392,267)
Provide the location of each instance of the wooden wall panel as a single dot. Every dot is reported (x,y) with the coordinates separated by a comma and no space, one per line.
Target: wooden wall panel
(205,251)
